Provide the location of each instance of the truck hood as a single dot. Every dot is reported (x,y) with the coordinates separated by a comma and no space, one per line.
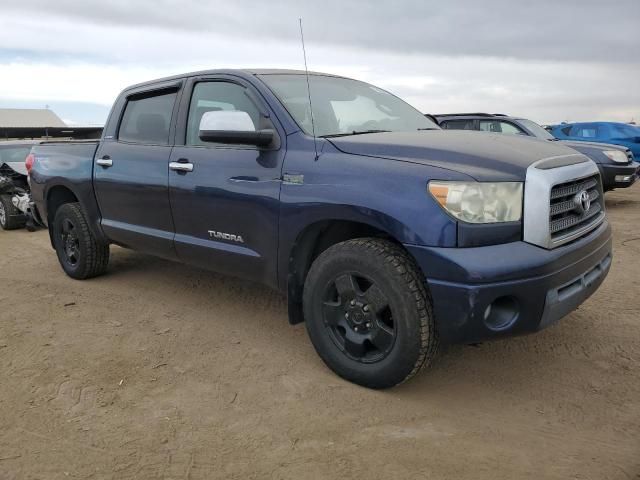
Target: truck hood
(483,156)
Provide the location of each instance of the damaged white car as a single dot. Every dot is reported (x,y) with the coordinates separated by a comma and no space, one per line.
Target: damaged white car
(16,208)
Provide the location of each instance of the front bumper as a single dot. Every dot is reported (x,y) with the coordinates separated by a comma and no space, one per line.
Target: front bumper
(618,176)
(510,289)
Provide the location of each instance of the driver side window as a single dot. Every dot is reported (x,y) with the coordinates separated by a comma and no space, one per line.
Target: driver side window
(510,129)
(497,126)
(216,96)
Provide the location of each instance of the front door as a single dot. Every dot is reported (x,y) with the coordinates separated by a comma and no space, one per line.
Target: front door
(225,198)
(132,179)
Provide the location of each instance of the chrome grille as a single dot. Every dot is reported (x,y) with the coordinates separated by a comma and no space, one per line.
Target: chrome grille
(567,217)
(551,215)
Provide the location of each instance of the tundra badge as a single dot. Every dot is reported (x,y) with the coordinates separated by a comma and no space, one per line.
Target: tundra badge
(225,236)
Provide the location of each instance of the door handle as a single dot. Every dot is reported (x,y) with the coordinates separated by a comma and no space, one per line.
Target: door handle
(181,167)
(105,161)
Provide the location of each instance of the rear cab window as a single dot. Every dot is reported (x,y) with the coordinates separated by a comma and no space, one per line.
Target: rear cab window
(147,118)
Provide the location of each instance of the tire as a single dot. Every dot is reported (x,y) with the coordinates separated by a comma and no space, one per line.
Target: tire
(368,313)
(80,254)
(10,217)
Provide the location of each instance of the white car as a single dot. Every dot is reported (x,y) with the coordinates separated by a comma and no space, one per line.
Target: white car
(16,209)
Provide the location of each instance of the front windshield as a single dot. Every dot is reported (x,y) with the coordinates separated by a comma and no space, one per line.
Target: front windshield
(623,130)
(536,129)
(342,106)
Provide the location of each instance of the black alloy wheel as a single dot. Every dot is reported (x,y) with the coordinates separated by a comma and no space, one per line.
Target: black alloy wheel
(79,252)
(70,242)
(368,312)
(358,318)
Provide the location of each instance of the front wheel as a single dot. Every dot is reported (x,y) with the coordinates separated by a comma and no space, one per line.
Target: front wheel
(368,313)
(80,254)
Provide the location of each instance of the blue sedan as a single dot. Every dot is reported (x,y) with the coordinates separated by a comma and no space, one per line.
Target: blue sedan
(604,132)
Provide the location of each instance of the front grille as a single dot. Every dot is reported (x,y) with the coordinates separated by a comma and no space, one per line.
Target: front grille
(567,216)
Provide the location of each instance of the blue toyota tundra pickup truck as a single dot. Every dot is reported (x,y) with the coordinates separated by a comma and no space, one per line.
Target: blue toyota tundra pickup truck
(387,234)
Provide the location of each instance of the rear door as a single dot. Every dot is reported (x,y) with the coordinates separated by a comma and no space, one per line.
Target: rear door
(131,173)
(226,207)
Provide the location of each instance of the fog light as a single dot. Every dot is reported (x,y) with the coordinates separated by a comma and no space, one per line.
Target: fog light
(623,178)
(501,313)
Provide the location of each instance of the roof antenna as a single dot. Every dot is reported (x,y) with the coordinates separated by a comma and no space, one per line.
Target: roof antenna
(306,70)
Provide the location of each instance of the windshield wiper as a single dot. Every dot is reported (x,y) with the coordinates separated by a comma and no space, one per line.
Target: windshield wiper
(430,128)
(355,132)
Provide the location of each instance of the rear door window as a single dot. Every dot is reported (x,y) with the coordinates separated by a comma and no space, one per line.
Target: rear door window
(587,131)
(147,119)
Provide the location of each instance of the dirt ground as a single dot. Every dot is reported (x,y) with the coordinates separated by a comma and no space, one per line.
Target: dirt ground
(157,370)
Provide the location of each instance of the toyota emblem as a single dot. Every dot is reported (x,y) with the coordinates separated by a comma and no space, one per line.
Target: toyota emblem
(582,201)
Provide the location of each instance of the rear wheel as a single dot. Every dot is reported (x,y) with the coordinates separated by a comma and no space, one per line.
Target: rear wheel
(368,313)
(80,254)
(10,217)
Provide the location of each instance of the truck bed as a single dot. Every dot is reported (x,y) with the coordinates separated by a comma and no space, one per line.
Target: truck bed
(64,163)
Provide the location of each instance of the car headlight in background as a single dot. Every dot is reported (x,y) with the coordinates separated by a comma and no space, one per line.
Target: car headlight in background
(480,202)
(616,156)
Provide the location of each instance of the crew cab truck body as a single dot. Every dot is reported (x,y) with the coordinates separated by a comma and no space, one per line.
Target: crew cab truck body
(387,234)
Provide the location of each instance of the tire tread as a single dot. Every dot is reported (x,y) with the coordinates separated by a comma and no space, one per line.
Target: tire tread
(406,273)
(411,276)
(97,253)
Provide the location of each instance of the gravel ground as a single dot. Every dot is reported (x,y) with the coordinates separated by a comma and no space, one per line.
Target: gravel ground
(157,370)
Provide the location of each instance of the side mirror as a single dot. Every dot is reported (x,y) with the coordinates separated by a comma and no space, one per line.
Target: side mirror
(232,127)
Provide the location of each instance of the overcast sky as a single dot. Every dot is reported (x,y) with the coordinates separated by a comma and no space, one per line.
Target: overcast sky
(549,60)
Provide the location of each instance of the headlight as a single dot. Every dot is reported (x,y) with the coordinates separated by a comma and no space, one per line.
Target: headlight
(617,156)
(480,202)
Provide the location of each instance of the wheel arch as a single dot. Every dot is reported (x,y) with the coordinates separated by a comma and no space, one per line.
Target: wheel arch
(60,194)
(57,196)
(314,239)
